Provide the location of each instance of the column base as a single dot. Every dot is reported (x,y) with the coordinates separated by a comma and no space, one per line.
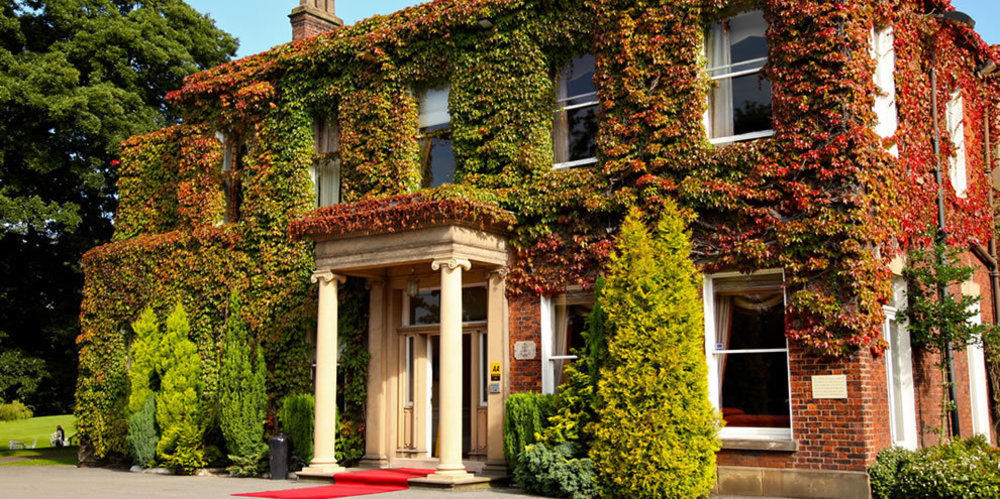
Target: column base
(320,470)
(450,479)
(374,462)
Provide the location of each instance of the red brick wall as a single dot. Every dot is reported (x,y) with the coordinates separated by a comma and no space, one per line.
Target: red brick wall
(525,325)
(831,434)
(305,25)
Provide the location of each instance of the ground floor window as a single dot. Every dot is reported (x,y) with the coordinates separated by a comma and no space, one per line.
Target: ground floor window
(747,353)
(899,371)
(563,321)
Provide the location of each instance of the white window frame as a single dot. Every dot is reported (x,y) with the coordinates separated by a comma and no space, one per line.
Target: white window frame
(707,117)
(903,357)
(562,108)
(978,391)
(881,45)
(714,383)
(955,118)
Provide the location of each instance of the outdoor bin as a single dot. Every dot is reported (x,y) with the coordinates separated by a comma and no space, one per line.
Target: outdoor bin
(279,456)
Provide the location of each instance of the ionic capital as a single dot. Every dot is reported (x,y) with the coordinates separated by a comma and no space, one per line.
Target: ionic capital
(451,263)
(499,273)
(326,277)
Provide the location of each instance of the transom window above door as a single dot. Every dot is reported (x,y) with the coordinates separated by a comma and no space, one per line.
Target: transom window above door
(437,159)
(739,106)
(575,126)
(425,308)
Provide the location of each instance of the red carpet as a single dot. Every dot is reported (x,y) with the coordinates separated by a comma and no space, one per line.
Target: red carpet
(358,483)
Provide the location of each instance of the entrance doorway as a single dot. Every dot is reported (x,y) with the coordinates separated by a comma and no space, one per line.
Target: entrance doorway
(473,402)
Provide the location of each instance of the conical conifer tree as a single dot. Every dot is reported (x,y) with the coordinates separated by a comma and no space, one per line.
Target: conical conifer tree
(656,433)
(243,394)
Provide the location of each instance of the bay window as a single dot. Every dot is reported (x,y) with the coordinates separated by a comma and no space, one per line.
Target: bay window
(739,105)
(747,354)
(575,125)
(437,159)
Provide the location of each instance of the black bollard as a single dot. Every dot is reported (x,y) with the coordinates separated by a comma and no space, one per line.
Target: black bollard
(279,456)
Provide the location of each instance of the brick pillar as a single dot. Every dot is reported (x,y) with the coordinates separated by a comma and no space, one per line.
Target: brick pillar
(313,17)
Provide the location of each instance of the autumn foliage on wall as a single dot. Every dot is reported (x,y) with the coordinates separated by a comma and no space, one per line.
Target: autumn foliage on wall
(823,199)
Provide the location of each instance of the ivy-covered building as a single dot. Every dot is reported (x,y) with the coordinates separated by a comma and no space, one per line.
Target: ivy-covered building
(453,175)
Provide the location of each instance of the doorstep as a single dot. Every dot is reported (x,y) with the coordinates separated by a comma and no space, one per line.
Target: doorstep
(474,482)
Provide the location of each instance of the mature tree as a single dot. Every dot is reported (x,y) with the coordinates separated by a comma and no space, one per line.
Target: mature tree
(76,78)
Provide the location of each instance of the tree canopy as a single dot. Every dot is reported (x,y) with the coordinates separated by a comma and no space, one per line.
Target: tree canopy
(77,77)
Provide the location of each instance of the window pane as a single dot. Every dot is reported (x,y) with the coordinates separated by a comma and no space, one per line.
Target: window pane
(433,107)
(578,79)
(485,371)
(425,308)
(746,37)
(751,104)
(582,123)
(438,158)
(410,340)
(755,390)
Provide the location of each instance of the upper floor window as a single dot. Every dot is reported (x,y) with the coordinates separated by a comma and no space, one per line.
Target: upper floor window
(233,153)
(885,100)
(575,125)
(326,171)
(739,106)
(436,156)
(955,117)
(747,354)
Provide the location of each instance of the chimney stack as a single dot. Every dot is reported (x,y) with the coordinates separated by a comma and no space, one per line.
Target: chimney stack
(313,17)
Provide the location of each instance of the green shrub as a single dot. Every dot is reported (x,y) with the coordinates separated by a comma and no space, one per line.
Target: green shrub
(554,471)
(656,434)
(243,394)
(959,469)
(525,415)
(15,410)
(142,435)
(144,370)
(178,409)
(297,419)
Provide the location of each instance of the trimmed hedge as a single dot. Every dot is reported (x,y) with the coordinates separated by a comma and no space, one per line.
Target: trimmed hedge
(555,471)
(958,469)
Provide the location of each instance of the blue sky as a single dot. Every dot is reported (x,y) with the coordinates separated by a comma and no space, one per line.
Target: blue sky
(262,24)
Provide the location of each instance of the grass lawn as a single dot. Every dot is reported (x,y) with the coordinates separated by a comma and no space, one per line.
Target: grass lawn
(49,456)
(29,430)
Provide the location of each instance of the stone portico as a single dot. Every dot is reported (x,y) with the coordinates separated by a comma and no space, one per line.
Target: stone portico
(451,419)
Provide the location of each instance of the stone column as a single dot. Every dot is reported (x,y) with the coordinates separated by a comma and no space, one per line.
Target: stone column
(324,462)
(376,450)
(450,467)
(496,352)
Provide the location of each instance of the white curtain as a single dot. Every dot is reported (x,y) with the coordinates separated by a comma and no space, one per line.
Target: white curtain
(721,118)
(723,328)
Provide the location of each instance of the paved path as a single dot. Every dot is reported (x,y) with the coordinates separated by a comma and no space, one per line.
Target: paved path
(93,483)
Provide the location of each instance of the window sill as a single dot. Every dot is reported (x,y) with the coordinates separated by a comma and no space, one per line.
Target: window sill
(573,164)
(725,141)
(768,444)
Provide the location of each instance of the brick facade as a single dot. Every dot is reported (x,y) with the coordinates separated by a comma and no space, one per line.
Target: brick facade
(525,325)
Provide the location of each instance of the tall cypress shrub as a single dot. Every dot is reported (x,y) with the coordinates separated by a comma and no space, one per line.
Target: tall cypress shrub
(656,434)
(243,394)
(143,378)
(178,408)
(297,420)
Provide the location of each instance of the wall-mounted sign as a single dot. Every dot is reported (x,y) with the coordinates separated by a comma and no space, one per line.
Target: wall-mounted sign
(494,387)
(524,350)
(832,386)
(495,371)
